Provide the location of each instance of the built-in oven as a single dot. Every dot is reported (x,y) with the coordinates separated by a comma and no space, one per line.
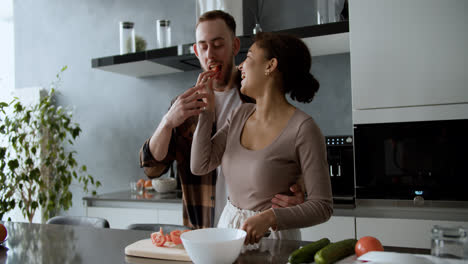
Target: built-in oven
(341,169)
(425,160)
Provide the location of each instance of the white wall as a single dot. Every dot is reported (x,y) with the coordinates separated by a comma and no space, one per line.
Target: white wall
(7,51)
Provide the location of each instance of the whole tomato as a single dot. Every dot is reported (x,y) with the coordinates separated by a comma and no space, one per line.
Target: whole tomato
(367,244)
(3,232)
(148,184)
(140,183)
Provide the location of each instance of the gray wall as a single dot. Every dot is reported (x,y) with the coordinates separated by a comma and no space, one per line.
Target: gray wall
(117,113)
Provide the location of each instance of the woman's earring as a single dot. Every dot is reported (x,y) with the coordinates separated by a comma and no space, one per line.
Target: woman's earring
(267,73)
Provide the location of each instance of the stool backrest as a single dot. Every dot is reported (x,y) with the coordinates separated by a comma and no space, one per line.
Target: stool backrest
(80,221)
(167,228)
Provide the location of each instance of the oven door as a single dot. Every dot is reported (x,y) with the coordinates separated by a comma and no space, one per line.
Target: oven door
(404,160)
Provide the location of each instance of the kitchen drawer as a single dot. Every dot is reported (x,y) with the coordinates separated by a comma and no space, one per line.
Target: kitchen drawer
(120,218)
(412,233)
(336,228)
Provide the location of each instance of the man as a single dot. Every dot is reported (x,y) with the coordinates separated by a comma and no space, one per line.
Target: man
(203,197)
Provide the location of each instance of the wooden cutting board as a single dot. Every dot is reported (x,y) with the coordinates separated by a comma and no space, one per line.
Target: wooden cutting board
(144,248)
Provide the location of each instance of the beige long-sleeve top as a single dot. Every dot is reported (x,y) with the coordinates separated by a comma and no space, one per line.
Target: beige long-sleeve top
(253,177)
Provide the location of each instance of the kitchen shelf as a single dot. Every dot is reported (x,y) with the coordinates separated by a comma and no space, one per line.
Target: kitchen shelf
(325,39)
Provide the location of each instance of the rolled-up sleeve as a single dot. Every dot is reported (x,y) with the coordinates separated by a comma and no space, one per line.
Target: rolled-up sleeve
(150,165)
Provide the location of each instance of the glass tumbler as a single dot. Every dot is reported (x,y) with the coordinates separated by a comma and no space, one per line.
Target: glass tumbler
(322,11)
(163,33)
(449,242)
(127,37)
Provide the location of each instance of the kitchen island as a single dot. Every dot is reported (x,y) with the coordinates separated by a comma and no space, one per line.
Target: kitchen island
(54,244)
(123,208)
(394,222)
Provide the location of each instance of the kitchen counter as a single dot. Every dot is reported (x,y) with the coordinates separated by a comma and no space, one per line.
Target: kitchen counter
(431,210)
(42,243)
(127,196)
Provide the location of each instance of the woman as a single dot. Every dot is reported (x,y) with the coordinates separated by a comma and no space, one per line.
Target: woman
(266,147)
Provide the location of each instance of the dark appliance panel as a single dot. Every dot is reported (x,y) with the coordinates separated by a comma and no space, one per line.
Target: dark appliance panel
(423,160)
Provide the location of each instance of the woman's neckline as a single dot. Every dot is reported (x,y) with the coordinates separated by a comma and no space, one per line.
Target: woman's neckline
(251,112)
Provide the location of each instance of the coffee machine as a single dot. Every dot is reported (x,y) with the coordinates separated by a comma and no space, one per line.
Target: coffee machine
(341,169)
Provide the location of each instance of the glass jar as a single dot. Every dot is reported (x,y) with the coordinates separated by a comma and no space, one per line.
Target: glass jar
(449,242)
(127,37)
(322,11)
(163,33)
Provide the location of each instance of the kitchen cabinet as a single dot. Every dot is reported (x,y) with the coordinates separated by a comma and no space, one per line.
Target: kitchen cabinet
(413,233)
(408,60)
(322,39)
(336,228)
(121,218)
(123,208)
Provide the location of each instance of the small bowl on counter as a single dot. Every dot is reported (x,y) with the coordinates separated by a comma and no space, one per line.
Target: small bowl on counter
(213,245)
(164,185)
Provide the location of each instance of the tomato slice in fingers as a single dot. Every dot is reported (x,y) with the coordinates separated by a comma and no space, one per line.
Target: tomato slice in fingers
(175,237)
(158,239)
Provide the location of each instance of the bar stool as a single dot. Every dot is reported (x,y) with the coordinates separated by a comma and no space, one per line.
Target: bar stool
(79,220)
(167,228)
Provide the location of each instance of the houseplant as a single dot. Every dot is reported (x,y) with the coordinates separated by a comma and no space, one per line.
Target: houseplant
(37,162)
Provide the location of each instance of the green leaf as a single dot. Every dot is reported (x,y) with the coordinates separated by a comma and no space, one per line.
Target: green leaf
(13,164)
(2,153)
(29,162)
(76,132)
(18,107)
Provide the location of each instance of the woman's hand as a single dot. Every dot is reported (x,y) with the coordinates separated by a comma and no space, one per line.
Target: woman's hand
(257,225)
(208,94)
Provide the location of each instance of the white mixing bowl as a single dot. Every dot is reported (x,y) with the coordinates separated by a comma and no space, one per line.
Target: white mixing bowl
(214,245)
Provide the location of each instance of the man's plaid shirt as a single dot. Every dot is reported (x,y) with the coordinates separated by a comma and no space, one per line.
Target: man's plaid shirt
(198,192)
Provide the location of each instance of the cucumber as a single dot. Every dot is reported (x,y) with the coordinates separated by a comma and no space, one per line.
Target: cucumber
(306,253)
(335,251)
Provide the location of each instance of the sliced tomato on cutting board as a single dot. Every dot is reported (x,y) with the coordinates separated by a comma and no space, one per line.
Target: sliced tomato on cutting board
(158,239)
(175,237)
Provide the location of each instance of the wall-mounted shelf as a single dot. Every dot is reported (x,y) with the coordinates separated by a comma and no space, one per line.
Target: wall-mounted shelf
(332,38)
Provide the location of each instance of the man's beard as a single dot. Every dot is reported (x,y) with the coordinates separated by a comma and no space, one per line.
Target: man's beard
(228,72)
